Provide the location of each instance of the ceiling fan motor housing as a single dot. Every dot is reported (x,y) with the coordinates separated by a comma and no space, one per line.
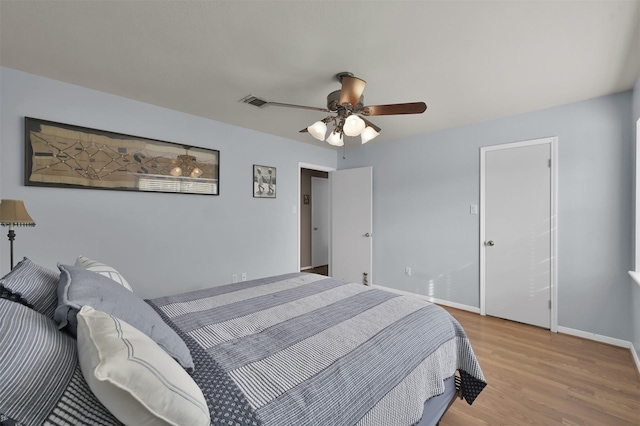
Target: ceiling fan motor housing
(333,100)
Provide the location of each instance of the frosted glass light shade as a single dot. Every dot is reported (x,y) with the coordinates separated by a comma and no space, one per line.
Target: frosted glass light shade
(318,130)
(335,139)
(368,134)
(353,125)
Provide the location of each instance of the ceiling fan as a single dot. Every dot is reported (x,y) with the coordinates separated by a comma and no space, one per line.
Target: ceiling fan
(349,112)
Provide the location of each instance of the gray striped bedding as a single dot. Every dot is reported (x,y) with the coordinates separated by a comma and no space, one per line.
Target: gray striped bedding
(297,349)
(304,349)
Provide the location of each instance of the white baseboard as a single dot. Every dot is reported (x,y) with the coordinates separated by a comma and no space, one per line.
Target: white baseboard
(634,354)
(604,339)
(432,299)
(596,337)
(304,268)
(566,330)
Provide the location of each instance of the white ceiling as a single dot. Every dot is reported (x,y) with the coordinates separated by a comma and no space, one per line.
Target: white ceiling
(470,61)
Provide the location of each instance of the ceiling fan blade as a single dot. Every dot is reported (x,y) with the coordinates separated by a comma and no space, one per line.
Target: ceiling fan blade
(352,88)
(393,109)
(370,124)
(280,104)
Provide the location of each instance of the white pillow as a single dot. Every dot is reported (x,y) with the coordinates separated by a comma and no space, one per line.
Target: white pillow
(133,377)
(102,269)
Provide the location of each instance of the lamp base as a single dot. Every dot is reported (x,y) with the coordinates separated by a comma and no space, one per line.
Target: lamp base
(12,236)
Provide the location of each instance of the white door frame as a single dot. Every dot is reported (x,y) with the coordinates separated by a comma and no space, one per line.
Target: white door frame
(553,142)
(320,169)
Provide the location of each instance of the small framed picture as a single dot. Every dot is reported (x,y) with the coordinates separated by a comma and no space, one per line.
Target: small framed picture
(306,198)
(264,181)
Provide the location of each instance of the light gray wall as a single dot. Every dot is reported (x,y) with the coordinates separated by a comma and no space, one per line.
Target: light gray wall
(424,185)
(162,243)
(636,288)
(636,101)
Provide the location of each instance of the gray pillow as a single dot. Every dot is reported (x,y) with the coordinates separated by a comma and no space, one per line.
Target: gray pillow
(79,287)
(33,284)
(37,363)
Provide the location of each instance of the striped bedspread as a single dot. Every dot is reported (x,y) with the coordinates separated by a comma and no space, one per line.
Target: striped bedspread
(305,349)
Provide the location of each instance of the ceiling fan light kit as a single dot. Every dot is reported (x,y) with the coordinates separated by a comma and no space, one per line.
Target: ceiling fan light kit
(353,126)
(348,105)
(367,134)
(318,130)
(335,138)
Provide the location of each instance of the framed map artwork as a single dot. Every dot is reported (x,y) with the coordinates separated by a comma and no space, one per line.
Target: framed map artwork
(64,155)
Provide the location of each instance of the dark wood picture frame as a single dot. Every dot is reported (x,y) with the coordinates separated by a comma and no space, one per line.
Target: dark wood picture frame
(264,181)
(70,156)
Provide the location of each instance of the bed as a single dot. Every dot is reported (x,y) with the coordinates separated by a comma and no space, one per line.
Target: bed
(294,349)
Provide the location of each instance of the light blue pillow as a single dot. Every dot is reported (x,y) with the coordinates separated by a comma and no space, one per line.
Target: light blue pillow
(79,287)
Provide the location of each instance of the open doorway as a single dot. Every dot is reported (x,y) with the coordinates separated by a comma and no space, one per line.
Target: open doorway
(314,221)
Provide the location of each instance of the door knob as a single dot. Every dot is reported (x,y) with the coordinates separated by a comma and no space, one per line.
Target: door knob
(315,229)
(367,235)
(491,243)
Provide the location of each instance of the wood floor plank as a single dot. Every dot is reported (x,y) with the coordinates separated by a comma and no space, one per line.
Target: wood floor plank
(536,377)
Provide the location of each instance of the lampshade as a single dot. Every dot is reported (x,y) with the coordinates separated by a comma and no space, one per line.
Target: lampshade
(368,134)
(318,130)
(353,125)
(335,139)
(13,213)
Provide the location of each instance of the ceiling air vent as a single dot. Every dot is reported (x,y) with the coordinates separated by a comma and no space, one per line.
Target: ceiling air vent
(252,100)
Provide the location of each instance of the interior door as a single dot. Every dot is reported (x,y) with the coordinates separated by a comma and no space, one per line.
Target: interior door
(517,233)
(352,224)
(319,221)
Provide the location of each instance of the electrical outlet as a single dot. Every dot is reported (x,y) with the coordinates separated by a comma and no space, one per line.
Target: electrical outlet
(407,271)
(234,278)
(244,276)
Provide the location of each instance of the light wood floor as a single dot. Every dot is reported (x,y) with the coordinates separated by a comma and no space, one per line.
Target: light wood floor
(322,270)
(536,377)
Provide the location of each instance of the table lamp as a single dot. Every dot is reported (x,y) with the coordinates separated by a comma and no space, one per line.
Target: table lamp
(13,213)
